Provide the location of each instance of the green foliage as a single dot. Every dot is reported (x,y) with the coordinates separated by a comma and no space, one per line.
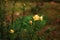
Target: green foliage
(22,26)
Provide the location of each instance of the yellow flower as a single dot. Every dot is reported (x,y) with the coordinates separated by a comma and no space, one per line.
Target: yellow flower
(36,17)
(25,30)
(17,14)
(30,22)
(41,18)
(11,31)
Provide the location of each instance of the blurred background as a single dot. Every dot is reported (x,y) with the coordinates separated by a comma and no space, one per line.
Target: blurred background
(29,19)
